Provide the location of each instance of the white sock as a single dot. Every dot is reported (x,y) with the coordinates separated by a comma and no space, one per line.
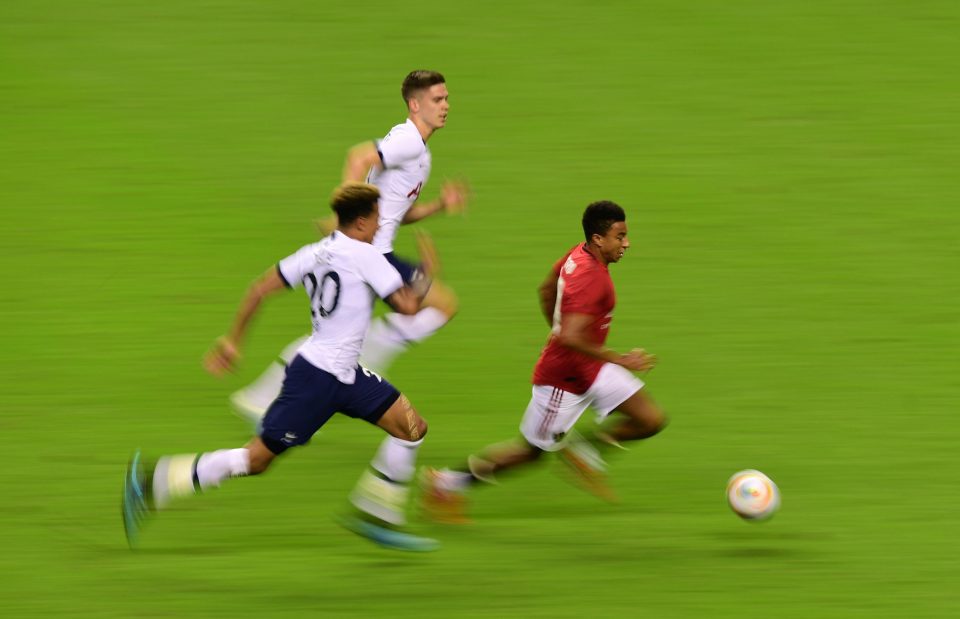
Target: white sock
(396,459)
(588,454)
(256,398)
(177,476)
(215,466)
(453,481)
(382,492)
(390,335)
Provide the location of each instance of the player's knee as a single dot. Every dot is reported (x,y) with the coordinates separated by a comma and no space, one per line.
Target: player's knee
(532,451)
(653,423)
(644,417)
(450,306)
(414,431)
(662,422)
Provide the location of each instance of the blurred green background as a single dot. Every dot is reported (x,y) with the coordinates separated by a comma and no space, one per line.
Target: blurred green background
(789,172)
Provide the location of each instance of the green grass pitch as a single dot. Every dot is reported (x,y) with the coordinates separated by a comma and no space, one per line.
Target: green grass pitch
(790,175)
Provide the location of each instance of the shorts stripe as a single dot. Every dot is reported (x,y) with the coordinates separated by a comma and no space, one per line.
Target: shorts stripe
(553,407)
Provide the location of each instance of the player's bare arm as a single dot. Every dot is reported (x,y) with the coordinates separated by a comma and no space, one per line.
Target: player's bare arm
(360,159)
(574,334)
(454,196)
(548,296)
(326,225)
(404,301)
(226,350)
(429,259)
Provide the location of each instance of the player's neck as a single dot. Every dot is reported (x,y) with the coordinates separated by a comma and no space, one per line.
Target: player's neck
(352,232)
(594,251)
(425,130)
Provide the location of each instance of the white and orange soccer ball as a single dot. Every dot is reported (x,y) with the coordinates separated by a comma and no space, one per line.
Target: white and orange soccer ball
(752,495)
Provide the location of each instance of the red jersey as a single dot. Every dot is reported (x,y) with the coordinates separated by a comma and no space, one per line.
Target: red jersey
(583,287)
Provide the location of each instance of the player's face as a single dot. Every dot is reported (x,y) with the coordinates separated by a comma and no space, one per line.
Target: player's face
(614,243)
(432,104)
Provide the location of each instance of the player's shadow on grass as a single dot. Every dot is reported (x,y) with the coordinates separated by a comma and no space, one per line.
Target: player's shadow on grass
(759,552)
(762,544)
(185,551)
(754,532)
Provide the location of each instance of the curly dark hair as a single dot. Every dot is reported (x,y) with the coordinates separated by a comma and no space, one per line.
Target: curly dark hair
(599,216)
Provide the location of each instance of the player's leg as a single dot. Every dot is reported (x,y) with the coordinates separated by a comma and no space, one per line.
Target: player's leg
(251,402)
(618,390)
(383,489)
(152,487)
(643,419)
(392,334)
(185,474)
(291,420)
(486,465)
(550,415)
(380,496)
(615,389)
(443,491)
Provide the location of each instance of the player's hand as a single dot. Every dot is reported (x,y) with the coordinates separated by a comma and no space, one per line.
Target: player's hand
(222,357)
(429,260)
(327,225)
(638,360)
(454,196)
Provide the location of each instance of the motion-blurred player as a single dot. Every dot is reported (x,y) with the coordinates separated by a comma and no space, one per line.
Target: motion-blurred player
(575,371)
(342,276)
(399,165)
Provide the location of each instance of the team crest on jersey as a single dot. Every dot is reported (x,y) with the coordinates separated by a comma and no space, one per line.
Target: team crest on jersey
(570,266)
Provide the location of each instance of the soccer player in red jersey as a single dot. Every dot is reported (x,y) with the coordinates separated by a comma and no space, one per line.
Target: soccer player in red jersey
(575,371)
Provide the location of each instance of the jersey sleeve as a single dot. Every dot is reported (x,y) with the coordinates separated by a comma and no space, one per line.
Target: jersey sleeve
(295,267)
(559,263)
(399,146)
(378,273)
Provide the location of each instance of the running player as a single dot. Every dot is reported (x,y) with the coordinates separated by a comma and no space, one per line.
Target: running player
(399,165)
(342,276)
(575,371)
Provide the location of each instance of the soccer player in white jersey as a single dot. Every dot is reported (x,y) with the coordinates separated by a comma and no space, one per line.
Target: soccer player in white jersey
(342,276)
(399,165)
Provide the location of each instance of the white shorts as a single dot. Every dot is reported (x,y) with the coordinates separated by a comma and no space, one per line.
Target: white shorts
(553,411)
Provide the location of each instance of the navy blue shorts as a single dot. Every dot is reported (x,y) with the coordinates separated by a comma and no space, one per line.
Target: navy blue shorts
(311,396)
(409,271)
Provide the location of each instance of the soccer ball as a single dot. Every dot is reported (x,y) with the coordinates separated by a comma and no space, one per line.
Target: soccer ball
(752,495)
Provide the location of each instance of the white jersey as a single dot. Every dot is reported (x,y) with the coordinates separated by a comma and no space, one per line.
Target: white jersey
(342,277)
(406,168)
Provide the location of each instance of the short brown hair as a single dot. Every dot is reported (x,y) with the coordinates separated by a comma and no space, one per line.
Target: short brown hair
(353,200)
(419,80)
